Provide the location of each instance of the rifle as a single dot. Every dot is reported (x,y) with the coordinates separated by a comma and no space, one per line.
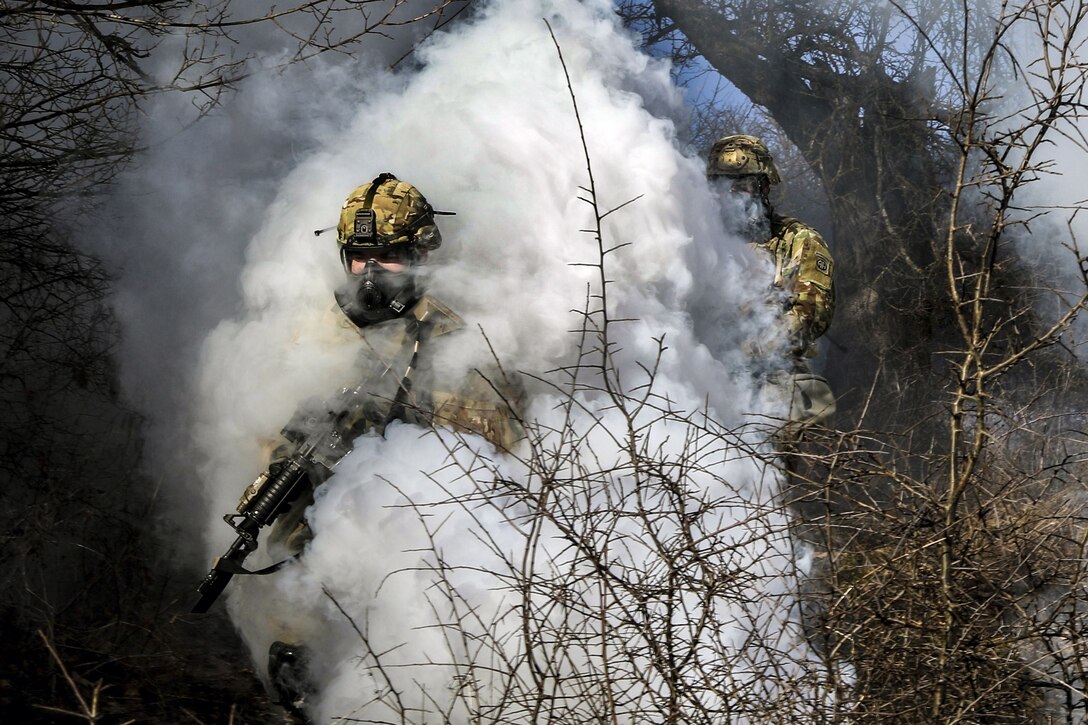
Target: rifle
(321,440)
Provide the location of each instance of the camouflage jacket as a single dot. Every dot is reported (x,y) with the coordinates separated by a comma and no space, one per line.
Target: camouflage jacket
(804,270)
(405,378)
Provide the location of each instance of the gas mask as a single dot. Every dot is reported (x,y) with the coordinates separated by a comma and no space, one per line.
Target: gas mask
(377,294)
(744,211)
(757,225)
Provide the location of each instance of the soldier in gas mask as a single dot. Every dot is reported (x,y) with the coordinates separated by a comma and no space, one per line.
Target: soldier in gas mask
(741,171)
(386,231)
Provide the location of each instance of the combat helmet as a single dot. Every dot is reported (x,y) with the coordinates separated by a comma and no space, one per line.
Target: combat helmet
(741,155)
(386,214)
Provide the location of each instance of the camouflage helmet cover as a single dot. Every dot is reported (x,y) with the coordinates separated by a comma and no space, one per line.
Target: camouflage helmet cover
(741,155)
(387,212)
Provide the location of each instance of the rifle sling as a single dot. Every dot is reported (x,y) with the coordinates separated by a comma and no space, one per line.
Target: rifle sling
(421,331)
(232,567)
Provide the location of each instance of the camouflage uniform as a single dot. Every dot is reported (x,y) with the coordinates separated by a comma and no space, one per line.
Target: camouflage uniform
(803,267)
(386,228)
(399,383)
(391,216)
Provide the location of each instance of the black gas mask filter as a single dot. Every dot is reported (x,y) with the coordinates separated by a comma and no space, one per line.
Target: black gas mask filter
(377,294)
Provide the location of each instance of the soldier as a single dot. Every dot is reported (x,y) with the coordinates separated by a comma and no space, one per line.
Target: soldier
(385,233)
(740,169)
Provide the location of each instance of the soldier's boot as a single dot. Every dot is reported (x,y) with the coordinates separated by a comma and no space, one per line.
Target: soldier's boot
(288,672)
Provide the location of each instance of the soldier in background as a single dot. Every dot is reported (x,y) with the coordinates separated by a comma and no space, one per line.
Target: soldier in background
(385,233)
(740,169)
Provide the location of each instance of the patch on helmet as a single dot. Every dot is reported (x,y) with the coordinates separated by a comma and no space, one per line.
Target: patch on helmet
(823,264)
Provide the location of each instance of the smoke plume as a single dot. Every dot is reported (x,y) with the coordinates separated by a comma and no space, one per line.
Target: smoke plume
(405,593)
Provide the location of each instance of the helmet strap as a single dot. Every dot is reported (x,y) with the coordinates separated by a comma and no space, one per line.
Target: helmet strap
(380,179)
(765,195)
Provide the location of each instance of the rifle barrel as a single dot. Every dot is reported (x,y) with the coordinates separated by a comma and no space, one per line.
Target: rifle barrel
(219,576)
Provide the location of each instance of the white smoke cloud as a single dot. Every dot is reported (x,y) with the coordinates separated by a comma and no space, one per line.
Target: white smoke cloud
(484,128)
(496,142)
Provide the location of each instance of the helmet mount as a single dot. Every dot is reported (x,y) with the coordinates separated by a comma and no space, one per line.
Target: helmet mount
(364,226)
